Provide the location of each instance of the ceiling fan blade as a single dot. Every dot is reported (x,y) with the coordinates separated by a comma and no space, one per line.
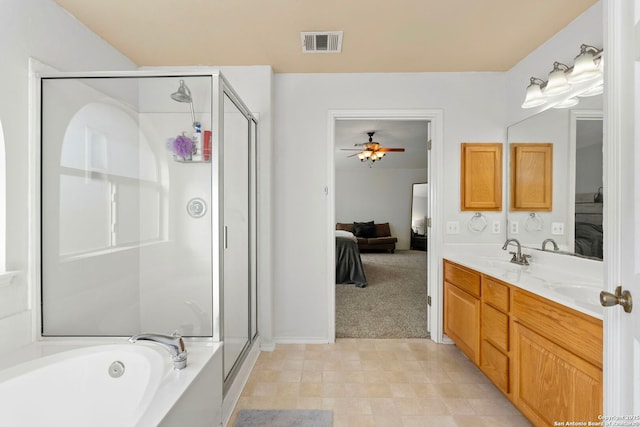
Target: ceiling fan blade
(350,149)
(352,155)
(388,150)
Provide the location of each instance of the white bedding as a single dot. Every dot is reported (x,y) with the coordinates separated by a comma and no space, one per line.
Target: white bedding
(346,234)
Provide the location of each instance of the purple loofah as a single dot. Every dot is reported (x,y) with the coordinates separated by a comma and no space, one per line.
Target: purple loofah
(183,146)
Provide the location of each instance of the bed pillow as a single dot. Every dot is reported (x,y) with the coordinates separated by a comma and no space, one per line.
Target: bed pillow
(364,229)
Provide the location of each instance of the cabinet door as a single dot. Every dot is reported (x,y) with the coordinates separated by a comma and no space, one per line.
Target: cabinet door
(481,177)
(552,384)
(531,177)
(462,320)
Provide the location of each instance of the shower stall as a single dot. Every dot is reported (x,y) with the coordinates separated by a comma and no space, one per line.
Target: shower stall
(148,208)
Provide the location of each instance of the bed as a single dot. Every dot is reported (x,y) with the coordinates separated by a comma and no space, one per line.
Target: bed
(588,231)
(348,262)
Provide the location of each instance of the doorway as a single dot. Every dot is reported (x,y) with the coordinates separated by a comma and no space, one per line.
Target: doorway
(431,121)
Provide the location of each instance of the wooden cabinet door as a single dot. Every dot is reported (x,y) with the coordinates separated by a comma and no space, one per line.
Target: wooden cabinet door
(462,320)
(531,177)
(481,177)
(551,384)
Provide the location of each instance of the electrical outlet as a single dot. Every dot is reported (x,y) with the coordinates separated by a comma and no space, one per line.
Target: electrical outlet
(495,227)
(453,227)
(557,228)
(513,227)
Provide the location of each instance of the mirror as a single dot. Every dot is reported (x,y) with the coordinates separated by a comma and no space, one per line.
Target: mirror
(575,219)
(419,217)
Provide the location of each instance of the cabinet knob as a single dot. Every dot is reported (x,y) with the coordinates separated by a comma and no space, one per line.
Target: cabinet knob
(623,298)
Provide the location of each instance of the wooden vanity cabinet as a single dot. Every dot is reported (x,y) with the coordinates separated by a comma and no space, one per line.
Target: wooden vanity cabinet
(558,374)
(494,331)
(531,177)
(481,176)
(462,308)
(545,357)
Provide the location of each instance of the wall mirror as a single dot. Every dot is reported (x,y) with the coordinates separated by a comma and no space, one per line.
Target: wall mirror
(419,208)
(575,219)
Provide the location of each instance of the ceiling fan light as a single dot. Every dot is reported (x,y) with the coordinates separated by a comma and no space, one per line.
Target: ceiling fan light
(380,154)
(534,96)
(367,153)
(361,156)
(557,83)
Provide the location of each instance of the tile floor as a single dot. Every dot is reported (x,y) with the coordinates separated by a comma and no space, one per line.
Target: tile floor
(390,382)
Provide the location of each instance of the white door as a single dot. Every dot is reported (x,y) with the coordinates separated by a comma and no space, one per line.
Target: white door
(622,204)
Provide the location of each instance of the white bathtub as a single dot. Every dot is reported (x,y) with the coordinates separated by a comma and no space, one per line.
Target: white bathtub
(70,386)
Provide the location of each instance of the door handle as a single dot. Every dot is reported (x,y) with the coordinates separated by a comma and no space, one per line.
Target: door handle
(623,298)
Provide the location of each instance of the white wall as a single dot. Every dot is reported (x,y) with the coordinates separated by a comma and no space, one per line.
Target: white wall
(43,30)
(381,195)
(473,112)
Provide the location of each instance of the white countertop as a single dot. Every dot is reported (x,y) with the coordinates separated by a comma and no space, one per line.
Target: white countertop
(571,281)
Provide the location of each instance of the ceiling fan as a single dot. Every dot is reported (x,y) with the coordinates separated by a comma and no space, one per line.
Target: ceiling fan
(371,150)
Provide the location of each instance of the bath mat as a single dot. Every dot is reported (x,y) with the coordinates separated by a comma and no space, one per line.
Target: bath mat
(284,418)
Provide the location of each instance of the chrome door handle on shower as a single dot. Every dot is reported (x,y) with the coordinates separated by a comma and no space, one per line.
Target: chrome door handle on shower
(226,240)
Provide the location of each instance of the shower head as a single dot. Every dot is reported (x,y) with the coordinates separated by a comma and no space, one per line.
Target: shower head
(183,94)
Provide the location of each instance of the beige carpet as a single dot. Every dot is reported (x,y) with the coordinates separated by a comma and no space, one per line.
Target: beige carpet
(394,303)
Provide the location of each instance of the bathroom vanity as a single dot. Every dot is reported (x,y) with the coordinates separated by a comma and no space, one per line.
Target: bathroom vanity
(535,333)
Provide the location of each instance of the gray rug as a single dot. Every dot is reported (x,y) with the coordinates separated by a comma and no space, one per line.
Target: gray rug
(394,303)
(284,418)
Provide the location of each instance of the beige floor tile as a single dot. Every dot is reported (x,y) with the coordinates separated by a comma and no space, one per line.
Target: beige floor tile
(395,382)
(402,390)
(384,406)
(421,406)
(428,420)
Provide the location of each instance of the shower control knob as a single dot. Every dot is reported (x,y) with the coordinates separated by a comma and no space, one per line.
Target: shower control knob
(196,207)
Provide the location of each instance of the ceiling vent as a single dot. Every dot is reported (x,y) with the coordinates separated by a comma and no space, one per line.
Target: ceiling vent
(321,42)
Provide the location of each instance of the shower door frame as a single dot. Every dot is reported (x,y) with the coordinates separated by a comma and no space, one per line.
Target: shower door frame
(219,86)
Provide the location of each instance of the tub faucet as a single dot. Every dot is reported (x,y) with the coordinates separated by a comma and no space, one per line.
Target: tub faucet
(555,245)
(173,343)
(518,256)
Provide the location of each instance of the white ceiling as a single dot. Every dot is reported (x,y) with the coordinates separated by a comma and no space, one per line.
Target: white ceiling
(408,134)
(379,35)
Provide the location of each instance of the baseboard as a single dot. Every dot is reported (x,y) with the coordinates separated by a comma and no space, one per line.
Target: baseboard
(233,394)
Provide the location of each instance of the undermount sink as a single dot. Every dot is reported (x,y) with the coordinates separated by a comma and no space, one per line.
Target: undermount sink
(586,293)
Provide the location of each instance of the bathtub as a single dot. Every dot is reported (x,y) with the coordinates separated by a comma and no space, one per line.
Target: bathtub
(111,385)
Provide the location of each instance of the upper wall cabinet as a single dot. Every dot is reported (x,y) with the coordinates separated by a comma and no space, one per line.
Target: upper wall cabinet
(481,177)
(531,177)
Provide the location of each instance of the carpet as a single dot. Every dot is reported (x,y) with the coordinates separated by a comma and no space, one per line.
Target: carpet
(284,418)
(394,303)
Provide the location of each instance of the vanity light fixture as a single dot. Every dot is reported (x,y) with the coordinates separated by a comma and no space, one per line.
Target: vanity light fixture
(585,67)
(566,84)
(557,83)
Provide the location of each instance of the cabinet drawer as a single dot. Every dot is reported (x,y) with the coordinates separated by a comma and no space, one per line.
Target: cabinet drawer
(495,365)
(465,279)
(579,333)
(495,327)
(495,293)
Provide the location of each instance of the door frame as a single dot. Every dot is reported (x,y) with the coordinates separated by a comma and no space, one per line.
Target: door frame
(435,208)
(620,43)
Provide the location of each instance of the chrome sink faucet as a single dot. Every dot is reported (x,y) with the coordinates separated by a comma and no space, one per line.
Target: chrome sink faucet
(555,245)
(173,343)
(518,256)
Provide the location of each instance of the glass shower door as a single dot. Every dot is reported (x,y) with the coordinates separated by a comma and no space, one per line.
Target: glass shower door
(237,271)
(126,223)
